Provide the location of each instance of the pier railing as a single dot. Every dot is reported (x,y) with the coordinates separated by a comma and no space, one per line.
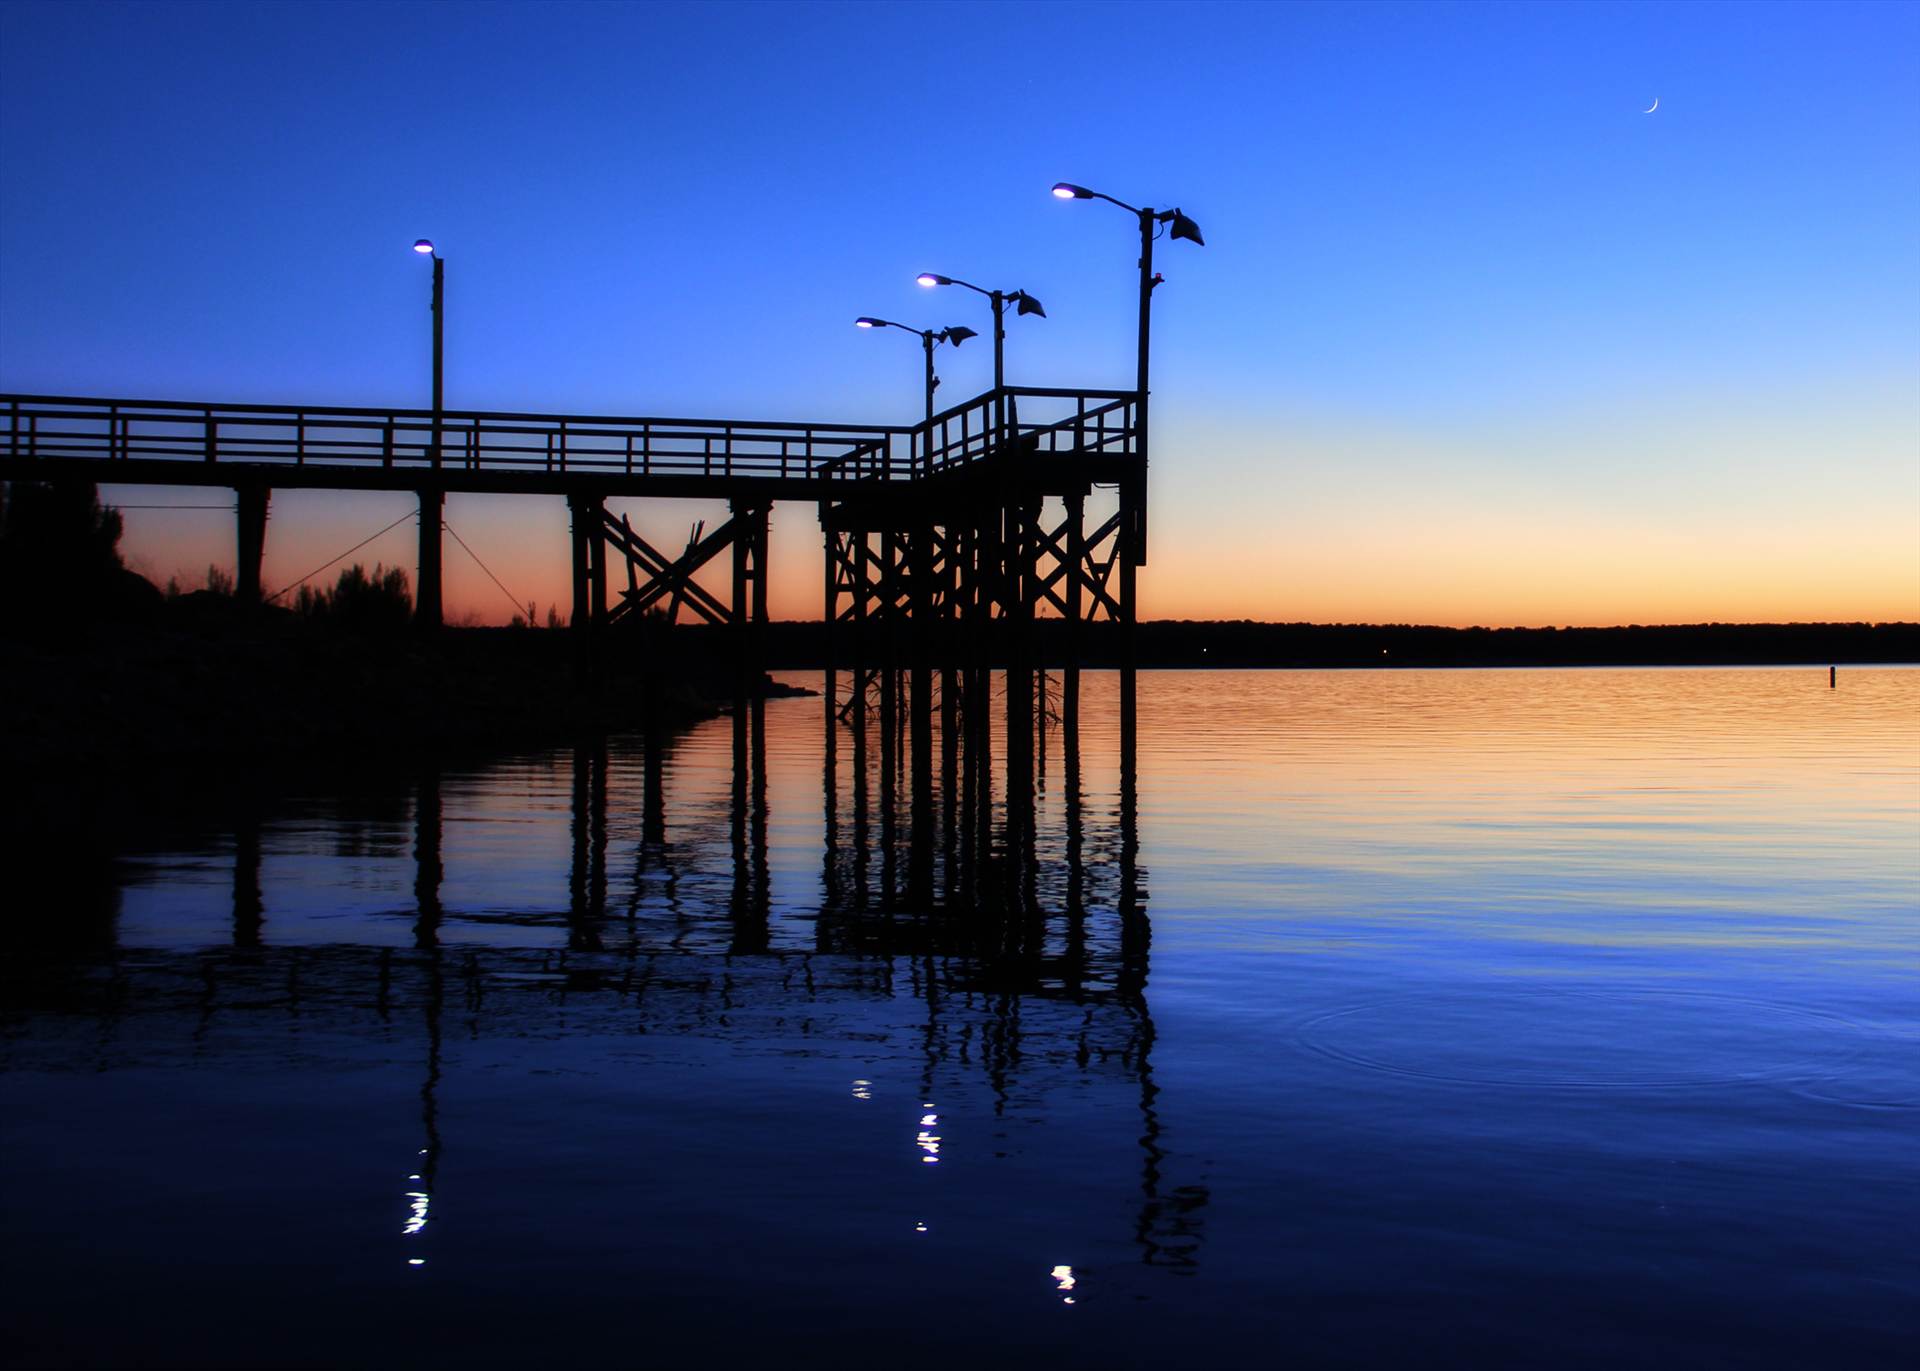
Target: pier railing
(1036,421)
(38,426)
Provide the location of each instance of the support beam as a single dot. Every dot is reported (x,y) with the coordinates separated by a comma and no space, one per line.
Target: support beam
(427,610)
(1131,494)
(586,517)
(738,626)
(830,675)
(597,565)
(760,572)
(854,555)
(920,696)
(250,543)
(1017,621)
(887,596)
(953,545)
(985,573)
(748,612)
(1075,576)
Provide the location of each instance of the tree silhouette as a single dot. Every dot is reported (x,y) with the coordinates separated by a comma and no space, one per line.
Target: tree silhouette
(60,557)
(376,602)
(61,526)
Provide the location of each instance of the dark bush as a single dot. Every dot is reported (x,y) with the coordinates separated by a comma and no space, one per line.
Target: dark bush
(376,602)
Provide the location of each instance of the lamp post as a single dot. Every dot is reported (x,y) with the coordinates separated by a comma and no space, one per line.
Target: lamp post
(1150,223)
(427,609)
(425,247)
(1133,496)
(929,340)
(1024,304)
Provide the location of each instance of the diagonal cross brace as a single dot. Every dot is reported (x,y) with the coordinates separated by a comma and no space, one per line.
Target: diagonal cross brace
(668,576)
(1094,573)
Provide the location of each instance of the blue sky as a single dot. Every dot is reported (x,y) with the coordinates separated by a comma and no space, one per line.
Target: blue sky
(1472,338)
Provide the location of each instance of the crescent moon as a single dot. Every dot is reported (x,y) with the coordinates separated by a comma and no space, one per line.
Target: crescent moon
(1654,106)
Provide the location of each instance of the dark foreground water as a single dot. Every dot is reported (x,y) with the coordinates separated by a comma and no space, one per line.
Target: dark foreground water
(1386,1019)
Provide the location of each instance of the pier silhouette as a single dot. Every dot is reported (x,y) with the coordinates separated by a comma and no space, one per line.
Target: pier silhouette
(942,540)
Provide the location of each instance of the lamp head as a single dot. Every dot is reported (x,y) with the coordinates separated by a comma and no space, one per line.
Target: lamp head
(424,246)
(1028,305)
(868,321)
(927,278)
(1183,227)
(1066,190)
(957,335)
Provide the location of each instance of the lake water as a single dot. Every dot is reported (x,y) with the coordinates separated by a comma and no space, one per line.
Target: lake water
(1371,1019)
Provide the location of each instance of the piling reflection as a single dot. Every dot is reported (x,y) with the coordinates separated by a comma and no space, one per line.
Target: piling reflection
(748,903)
(249,908)
(587,875)
(428,870)
(989,893)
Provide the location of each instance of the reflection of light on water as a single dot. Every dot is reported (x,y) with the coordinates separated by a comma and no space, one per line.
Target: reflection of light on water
(919,1228)
(863,1090)
(928,1141)
(1063,1281)
(417,1201)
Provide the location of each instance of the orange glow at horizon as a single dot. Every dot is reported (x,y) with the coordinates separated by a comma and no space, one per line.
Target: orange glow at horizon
(1457,572)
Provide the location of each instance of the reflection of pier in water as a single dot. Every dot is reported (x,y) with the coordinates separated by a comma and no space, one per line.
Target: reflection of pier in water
(1025,943)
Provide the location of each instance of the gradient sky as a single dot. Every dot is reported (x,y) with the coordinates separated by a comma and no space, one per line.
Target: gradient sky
(1473,340)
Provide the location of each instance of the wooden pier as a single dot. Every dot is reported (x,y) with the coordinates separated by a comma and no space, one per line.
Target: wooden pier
(943,541)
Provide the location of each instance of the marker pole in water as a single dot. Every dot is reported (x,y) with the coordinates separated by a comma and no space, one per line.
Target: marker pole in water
(1833,673)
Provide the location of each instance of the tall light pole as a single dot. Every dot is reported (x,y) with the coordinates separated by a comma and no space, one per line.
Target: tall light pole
(425,247)
(427,611)
(1133,497)
(1151,221)
(929,340)
(1024,304)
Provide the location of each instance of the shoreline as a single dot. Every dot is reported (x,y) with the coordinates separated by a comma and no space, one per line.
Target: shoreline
(221,687)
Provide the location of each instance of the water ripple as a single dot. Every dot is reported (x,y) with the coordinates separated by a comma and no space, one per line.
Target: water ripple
(1600,1038)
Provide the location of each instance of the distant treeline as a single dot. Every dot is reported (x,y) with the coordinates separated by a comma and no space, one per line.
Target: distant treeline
(1250,644)
(1241,643)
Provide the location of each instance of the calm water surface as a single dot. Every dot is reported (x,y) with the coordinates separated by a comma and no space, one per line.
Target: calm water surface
(1496,1017)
